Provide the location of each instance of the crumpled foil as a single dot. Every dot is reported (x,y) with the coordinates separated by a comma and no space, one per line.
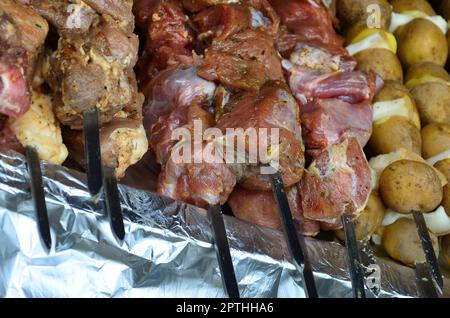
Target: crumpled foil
(166,251)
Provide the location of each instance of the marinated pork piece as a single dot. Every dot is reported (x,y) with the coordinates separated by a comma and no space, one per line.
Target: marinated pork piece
(221,21)
(335,99)
(169,37)
(309,20)
(328,122)
(31,30)
(201,179)
(272,107)
(260,207)
(22,32)
(78,16)
(244,61)
(123,142)
(94,69)
(337,182)
(38,128)
(175,88)
(8,139)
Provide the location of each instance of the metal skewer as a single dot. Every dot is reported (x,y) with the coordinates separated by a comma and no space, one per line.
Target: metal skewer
(92,150)
(37,194)
(354,260)
(98,175)
(220,242)
(295,240)
(427,246)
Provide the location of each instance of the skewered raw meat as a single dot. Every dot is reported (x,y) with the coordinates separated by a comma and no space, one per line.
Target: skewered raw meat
(8,139)
(337,182)
(272,107)
(259,207)
(244,61)
(221,21)
(308,20)
(22,32)
(206,182)
(123,142)
(38,128)
(94,69)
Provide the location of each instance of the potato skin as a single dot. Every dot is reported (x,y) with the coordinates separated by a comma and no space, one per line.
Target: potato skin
(420,70)
(444,167)
(421,41)
(395,133)
(381,61)
(350,12)
(400,6)
(433,102)
(407,186)
(402,243)
(392,90)
(435,139)
(369,220)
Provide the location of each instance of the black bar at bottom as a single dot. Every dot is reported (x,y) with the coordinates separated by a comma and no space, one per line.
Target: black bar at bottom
(223,251)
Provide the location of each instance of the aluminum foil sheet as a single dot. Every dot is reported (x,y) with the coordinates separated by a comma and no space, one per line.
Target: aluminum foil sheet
(166,251)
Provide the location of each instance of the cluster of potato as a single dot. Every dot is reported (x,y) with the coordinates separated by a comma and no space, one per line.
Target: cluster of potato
(410,143)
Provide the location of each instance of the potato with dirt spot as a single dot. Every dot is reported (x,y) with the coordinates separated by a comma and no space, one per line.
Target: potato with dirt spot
(395,133)
(406,186)
(421,41)
(382,61)
(435,140)
(369,220)
(402,242)
(350,12)
(433,102)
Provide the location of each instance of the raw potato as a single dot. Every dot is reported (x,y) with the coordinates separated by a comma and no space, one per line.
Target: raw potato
(407,186)
(381,61)
(395,133)
(421,41)
(445,249)
(401,6)
(369,220)
(425,72)
(433,102)
(350,12)
(435,140)
(401,241)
